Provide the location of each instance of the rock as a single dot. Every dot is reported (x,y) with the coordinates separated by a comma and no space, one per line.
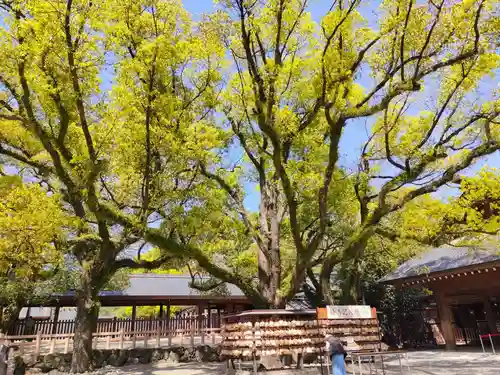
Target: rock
(41,366)
(31,360)
(189,355)
(140,355)
(61,363)
(157,355)
(99,357)
(49,360)
(174,357)
(19,366)
(205,353)
(118,358)
(145,357)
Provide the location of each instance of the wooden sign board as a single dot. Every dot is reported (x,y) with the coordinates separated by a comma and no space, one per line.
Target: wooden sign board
(346,312)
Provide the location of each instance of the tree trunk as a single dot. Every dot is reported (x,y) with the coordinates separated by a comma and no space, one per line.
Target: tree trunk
(351,274)
(10,314)
(85,325)
(325,280)
(269,255)
(350,270)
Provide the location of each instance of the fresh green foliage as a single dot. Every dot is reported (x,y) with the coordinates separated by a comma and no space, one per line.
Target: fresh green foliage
(254,94)
(31,257)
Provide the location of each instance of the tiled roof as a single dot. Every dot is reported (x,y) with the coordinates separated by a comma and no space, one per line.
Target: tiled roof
(442,259)
(158,285)
(166,285)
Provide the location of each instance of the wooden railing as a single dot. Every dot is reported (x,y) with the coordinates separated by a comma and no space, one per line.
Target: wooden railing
(46,327)
(52,343)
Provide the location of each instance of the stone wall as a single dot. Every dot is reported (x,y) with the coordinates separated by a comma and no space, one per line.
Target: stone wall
(117,357)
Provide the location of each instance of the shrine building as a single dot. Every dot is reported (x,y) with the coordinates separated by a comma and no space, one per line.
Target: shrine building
(465,284)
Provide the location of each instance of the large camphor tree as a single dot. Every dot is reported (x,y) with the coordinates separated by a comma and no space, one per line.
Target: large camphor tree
(152,127)
(418,77)
(102,150)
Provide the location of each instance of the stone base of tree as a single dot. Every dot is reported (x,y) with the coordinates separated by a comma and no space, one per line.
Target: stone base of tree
(116,357)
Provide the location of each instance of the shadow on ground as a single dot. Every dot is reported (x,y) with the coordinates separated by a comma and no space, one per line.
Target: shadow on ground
(421,363)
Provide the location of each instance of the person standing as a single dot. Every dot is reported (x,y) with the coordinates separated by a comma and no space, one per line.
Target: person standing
(335,349)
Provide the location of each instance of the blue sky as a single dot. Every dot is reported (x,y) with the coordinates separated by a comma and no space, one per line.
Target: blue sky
(356,132)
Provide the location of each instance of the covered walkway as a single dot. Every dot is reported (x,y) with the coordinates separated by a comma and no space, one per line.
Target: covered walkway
(201,310)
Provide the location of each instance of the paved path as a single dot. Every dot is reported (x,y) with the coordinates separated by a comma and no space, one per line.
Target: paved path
(422,363)
(451,363)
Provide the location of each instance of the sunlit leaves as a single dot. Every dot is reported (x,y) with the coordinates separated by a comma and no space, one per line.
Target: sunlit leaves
(30,222)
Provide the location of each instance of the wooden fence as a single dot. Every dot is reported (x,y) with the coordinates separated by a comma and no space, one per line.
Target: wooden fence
(47,327)
(52,343)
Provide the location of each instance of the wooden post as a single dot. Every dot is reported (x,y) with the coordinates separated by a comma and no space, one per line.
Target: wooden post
(158,337)
(122,338)
(490,316)
(160,311)
(133,340)
(209,317)
(108,341)
(200,323)
(52,348)
(114,324)
(134,312)
(169,326)
(66,345)
(192,336)
(446,317)
(219,318)
(56,319)
(146,337)
(38,343)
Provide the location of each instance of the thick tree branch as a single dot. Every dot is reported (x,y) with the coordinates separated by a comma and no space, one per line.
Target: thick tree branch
(144,264)
(176,249)
(237,199)
(70,50)
(22,158)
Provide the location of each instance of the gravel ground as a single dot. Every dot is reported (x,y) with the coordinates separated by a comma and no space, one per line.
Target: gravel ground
(421,363)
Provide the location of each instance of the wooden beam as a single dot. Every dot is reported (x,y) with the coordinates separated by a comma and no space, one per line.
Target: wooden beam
(490,316)
(169,329)
(446,321)
(56,319)
(160,315)
(134,314)
(201,309)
